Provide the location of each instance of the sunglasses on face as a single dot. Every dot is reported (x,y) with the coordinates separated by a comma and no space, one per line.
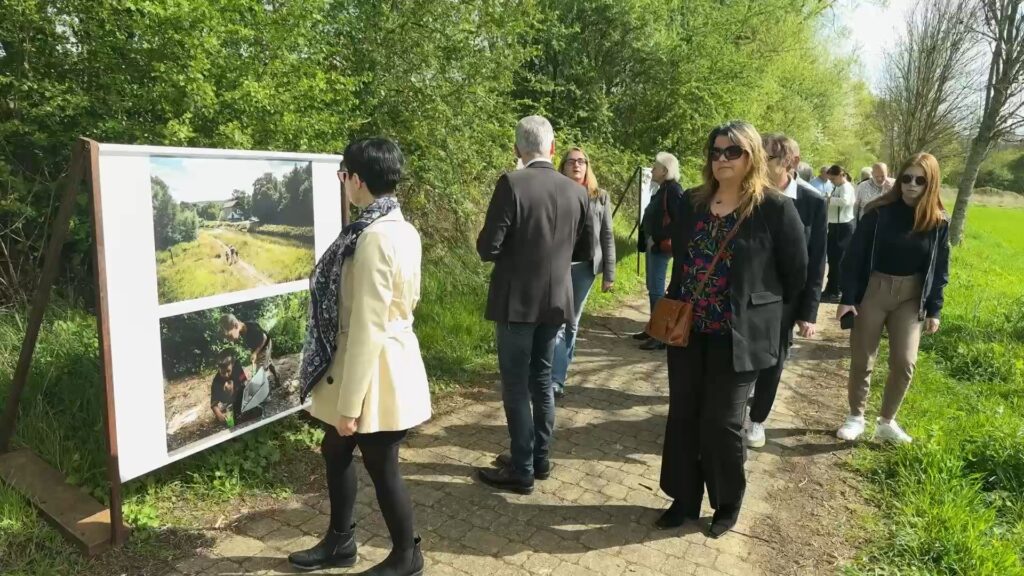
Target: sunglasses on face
(919,180)
(729,153)
(576,161)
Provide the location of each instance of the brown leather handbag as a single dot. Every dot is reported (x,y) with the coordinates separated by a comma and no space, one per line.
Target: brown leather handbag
(672,320)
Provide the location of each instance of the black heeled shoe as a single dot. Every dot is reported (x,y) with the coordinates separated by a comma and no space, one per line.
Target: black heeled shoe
(336,549)
(675,516)
(723,521)
(400,563)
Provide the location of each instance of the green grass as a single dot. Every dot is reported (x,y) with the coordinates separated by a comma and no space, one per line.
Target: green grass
(953,501)
(197,269)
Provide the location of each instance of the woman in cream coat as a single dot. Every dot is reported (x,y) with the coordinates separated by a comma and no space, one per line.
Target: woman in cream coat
(362,364)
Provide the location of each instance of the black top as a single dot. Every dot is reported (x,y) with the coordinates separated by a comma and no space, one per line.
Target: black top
(233,398)
(538,223)
(862,256)
(253,336)
(810,204)
(668,195)
(900,250)
(768,266)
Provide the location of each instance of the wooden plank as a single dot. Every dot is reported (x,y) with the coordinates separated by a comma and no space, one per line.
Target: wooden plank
(71,510)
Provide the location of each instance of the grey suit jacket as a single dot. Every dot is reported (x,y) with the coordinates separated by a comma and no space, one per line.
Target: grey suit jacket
(603,236)
(537,224)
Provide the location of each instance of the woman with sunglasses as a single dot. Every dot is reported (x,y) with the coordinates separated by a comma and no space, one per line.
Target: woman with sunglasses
(894,275)
(361,360)
(739,252)
(655,239)
(576,165)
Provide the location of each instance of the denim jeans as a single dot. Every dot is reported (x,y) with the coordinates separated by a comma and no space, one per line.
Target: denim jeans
(565,342)
(657,266)
(525,351)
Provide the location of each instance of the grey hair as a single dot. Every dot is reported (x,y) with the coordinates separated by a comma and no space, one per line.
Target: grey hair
(881,165)
(534,136)
(804,171)
(670,163)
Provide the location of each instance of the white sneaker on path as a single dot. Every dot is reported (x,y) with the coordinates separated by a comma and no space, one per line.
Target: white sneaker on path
(851,429)
(755,435)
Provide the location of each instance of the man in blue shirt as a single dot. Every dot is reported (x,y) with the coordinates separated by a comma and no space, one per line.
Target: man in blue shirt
(821,183)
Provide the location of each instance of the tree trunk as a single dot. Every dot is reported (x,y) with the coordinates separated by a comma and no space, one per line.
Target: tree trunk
(979,150)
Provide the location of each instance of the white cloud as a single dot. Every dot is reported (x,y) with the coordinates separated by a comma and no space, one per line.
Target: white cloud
(868,29)
(206,179)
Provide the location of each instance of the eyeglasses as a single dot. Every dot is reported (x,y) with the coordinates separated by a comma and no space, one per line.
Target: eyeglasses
(919,180)
(729,153)
(576,161)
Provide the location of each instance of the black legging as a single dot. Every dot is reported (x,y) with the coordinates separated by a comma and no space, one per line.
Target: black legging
(380,456)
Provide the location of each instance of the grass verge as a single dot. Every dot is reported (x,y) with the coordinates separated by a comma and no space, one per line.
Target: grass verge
(953,501)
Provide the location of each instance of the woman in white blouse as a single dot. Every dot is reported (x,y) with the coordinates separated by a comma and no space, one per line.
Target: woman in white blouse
(361,362)
(841,223)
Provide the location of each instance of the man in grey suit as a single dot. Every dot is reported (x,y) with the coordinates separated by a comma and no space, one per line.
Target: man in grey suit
(536,223)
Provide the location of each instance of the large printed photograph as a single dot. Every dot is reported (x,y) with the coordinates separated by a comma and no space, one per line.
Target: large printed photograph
(226,225)
(230,367)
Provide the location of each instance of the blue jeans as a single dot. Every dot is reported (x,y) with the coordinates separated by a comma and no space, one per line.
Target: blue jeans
(524,360)
(657,266)
(565,342)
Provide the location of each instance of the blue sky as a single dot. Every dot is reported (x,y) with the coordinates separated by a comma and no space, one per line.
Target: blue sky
(867,28)
(206,179)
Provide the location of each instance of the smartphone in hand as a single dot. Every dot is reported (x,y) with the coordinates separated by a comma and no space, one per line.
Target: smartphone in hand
(846,322)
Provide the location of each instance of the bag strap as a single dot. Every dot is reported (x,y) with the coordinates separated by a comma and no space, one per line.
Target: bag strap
(721,248)
(665,218)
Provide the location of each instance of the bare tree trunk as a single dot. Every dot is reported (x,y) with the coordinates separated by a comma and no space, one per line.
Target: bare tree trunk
(979,150)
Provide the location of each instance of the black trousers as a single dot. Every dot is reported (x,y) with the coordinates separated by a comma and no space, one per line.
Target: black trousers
(767,385)
(380,457)
(704,434)
(839,236)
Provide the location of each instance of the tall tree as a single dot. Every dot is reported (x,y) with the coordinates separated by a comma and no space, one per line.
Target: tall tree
(1002,116)
(927,93)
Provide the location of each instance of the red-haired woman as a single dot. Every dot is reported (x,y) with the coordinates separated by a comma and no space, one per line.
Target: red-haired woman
(893,276)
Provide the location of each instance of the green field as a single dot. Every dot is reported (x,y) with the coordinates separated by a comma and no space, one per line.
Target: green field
(198,268)
(953,501)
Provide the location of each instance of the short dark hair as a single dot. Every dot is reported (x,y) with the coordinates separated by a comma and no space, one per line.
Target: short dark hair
(226,358)
(836,170)
(377,161)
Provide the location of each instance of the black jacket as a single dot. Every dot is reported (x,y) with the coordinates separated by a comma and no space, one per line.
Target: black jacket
(769,267)
(537,224)
(670,193)
(859,262)
(810,204)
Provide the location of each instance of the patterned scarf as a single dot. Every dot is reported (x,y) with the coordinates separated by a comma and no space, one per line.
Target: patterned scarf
(325,296)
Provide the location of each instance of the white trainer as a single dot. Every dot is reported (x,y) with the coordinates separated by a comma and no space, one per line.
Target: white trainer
(891,433)
(851,429)
(755,435)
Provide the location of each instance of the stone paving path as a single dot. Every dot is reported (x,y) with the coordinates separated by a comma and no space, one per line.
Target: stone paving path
(593,517)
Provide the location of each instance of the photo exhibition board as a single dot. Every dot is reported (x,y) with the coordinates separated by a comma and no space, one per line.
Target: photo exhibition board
(193,182)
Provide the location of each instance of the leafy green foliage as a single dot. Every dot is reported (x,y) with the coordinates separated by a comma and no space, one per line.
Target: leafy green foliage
(172,223)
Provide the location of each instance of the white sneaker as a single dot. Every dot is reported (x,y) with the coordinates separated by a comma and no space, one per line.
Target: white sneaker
(755,435)
(851,429)
(891,433)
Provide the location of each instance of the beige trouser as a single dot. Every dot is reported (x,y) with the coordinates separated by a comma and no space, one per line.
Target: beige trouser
(891,302)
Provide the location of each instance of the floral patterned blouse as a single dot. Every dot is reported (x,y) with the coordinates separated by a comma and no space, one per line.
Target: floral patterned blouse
(712,313)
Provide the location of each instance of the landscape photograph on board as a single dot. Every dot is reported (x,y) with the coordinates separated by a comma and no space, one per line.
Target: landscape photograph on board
(224,225)
(231,367)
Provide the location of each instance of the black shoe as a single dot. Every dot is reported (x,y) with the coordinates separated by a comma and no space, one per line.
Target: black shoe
(641,335)
(505,478)
(559,390)
(723,521)
(337,549)
(541,470)
(675,516)
(400,563)
(652,344)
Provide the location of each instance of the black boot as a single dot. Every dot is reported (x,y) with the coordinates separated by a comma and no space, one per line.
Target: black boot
(336,549)
(400,563)
(676,515)
(723,521)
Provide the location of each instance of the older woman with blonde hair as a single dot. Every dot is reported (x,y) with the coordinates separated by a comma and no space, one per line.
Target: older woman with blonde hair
(894,275)
(655,238)
(739,252)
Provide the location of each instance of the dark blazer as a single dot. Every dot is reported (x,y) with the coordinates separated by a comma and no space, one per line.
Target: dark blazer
(859,262)
(670,193)
(768,267)
(537,224)
(810,204)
